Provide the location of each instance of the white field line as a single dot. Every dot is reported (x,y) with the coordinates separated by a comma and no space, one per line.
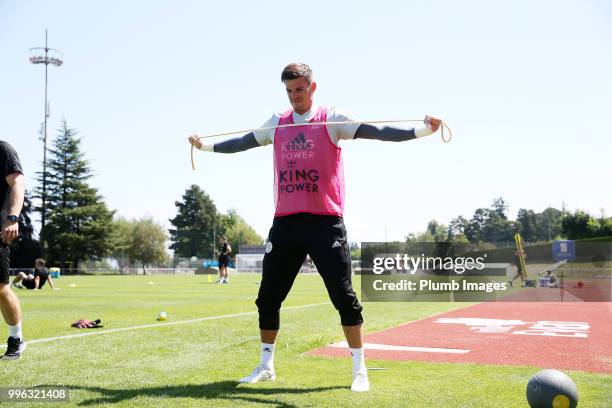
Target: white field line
(95,332)
(390,347)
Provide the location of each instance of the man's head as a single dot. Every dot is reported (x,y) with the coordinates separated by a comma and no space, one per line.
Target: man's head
(300,86)
(39,263)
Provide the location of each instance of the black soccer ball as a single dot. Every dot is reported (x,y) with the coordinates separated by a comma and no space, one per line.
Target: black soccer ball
(551,389)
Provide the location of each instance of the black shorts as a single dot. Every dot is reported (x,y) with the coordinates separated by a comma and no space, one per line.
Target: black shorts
(31,284)
(28,283)
(5,263)
(291,238)
(223,261)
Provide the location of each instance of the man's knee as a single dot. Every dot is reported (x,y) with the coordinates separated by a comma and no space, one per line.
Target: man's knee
(349,309)
(269,314)
(351,317)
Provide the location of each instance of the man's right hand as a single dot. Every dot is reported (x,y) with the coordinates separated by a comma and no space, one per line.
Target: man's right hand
(10,230)
(195,141)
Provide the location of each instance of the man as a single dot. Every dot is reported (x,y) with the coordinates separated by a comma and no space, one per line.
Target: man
(516,261)
(36,280)
(553,279)
(12,190)
(309,198)
(224,257)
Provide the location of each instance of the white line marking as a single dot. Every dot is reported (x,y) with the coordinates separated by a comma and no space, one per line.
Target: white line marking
(390,347)
(147,326)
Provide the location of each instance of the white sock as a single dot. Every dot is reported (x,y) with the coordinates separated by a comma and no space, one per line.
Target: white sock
(358,355)
(267,356)
(15,331)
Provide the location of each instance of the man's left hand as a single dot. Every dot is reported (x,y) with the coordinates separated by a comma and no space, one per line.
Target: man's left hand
(433,123)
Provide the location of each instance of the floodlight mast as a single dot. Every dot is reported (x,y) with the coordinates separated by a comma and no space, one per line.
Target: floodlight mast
(45,55)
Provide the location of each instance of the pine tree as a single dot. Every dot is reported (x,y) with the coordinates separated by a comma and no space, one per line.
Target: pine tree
(194,224)
(79,222)
(26,229)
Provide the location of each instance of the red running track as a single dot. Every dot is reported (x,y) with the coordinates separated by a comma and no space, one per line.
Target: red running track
(575,336)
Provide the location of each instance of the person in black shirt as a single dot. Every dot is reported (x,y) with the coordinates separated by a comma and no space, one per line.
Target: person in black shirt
(224,257)
(12,190)
(36,280)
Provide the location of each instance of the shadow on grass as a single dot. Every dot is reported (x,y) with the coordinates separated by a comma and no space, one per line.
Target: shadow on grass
(225,390)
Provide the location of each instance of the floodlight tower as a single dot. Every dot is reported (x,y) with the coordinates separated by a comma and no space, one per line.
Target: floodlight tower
(45,55)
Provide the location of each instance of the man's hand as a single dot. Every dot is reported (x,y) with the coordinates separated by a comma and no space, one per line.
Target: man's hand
(10,230)
(195,141)
(433,123)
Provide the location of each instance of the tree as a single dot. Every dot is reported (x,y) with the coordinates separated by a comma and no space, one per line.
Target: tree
(237,231)
(491,224)
(456,230)
(549,224)
(194,224)
(605,227)
(121,240)
(148,242)
(475,227)
(528,223)
(576,226)
(79,223)
(500,207)
(26,229)
(497,228)
(581,225)
(437,231)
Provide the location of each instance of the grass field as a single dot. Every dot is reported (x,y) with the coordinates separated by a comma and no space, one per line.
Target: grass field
(195,364)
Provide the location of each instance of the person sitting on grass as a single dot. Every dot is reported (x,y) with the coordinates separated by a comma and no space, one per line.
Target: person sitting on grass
(553,279)
(36,280)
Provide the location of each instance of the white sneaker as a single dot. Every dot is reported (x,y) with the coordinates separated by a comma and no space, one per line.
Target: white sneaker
(259,374)
(360,382)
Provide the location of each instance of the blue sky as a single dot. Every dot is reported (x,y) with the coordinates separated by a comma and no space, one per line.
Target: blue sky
(525,85)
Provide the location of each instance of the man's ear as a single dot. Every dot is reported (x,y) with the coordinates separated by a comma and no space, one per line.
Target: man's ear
(313,86)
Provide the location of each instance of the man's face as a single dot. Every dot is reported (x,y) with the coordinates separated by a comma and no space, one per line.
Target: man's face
(300,94)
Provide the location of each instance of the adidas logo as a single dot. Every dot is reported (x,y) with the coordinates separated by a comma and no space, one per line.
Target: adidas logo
(300,143)
(267,349)
(336,244)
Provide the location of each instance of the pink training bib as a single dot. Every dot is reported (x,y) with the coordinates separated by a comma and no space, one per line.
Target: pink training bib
(308,171)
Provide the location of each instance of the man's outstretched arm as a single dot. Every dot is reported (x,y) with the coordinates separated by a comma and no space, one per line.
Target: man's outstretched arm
(235,145)
(393,134)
